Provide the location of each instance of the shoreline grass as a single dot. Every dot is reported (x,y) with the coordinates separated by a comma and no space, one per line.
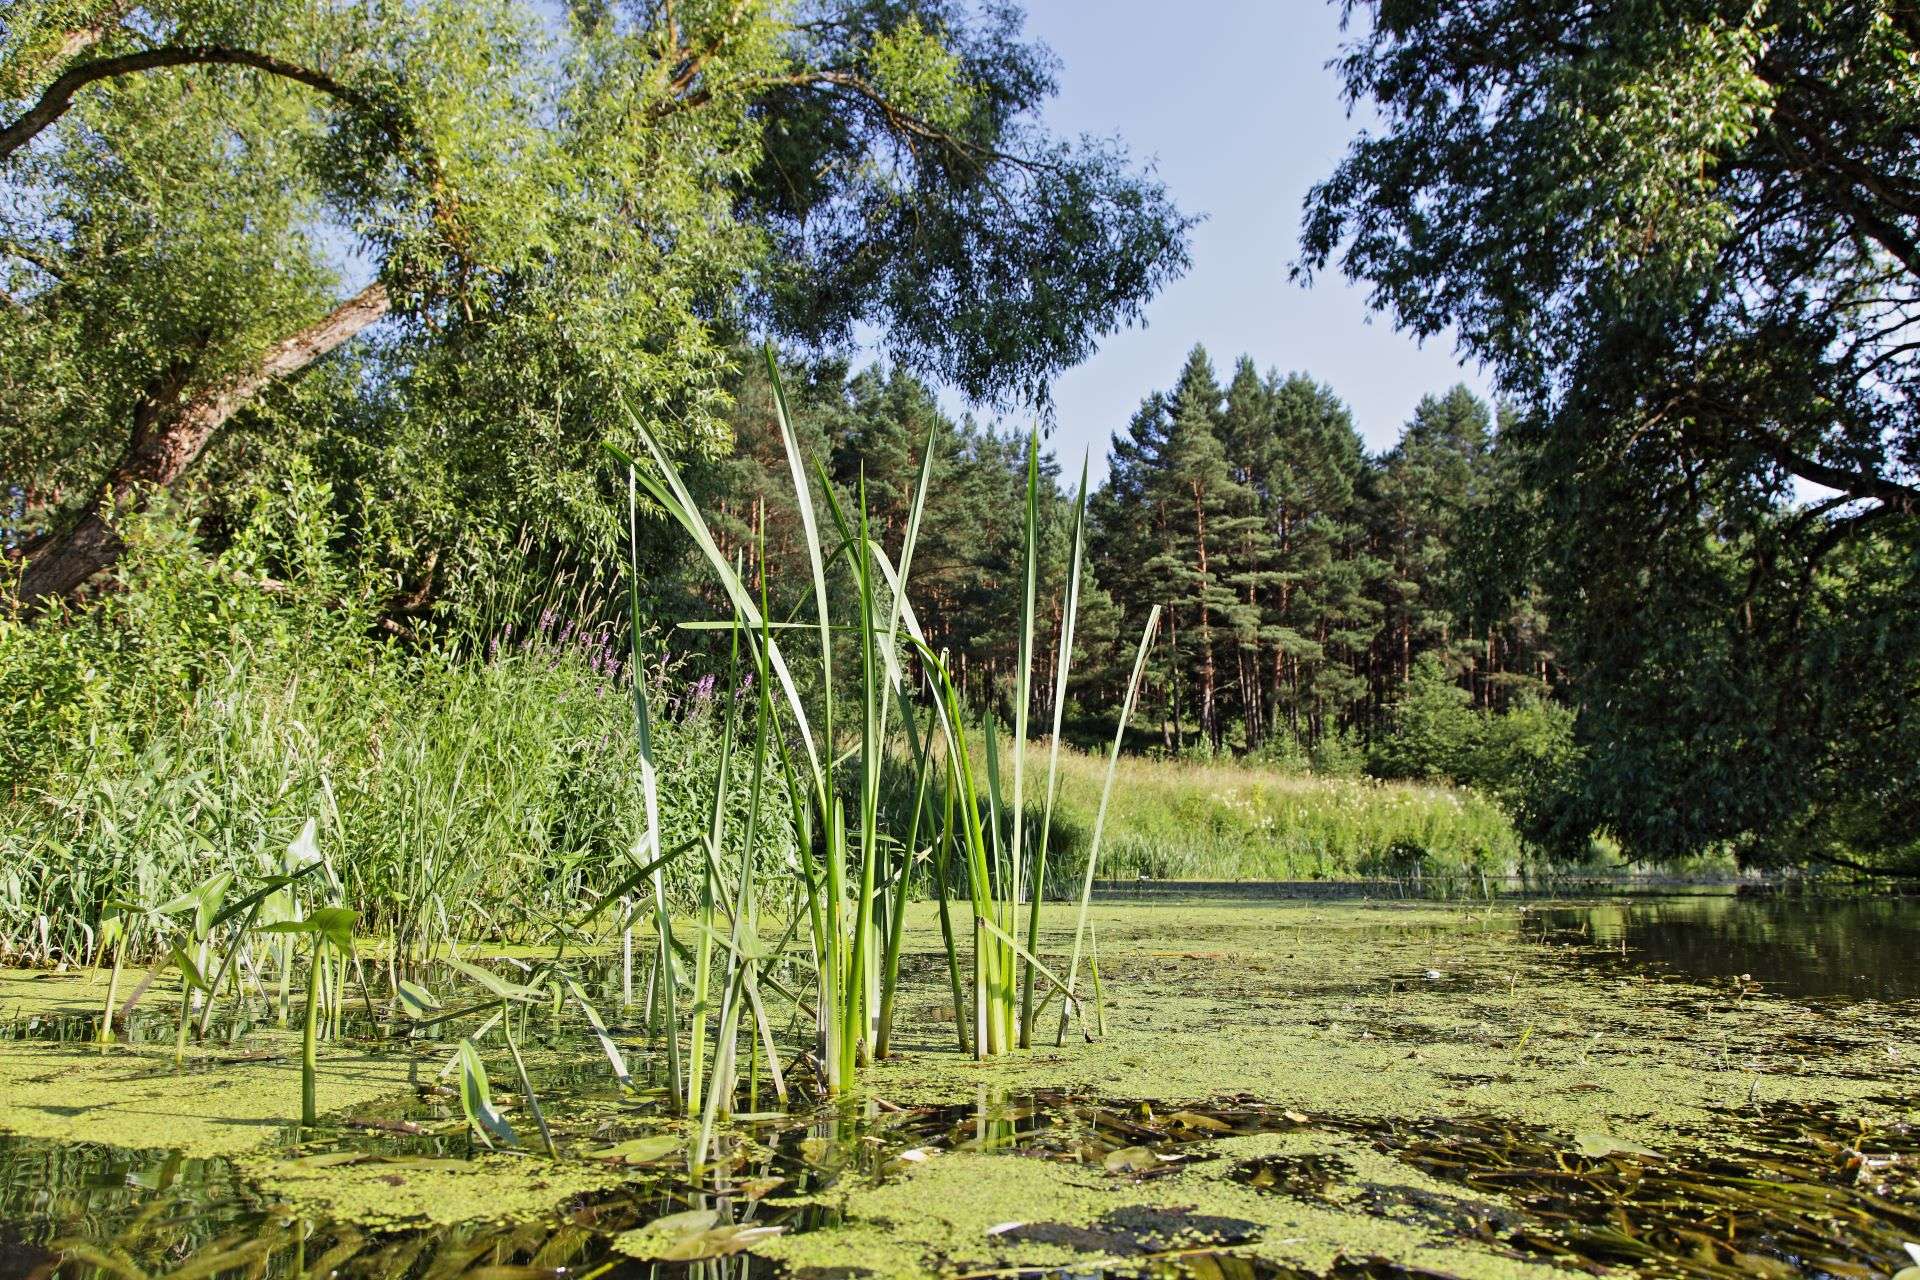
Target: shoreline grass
(1214,820)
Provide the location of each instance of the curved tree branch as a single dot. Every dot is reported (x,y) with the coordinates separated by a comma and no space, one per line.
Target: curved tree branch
(1897,497)
(58,96)
(171,429)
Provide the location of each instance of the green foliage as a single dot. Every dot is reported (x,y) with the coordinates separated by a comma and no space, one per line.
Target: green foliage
(459,796)
(1683,238)
(1435,734)
(1222,820)
(559,210)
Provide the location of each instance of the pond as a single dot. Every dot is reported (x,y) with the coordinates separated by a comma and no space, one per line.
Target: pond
(1285,1091)
(1854,948)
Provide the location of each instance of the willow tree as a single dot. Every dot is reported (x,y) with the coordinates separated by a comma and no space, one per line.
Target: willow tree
(527,213)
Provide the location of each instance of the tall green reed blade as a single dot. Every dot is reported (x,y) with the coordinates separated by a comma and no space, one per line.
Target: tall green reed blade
(903,880)
(896,687)
(1023,698)
(942,871)
(860,1008)
(1001,892)
(828,825)
(960,827)
(1063,663)
(993,978)
(709,880)
(1100,818)
(819,826)
(651,844)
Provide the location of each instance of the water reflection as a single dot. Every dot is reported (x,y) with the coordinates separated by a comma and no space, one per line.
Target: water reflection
(1853,948)
(1795,1186)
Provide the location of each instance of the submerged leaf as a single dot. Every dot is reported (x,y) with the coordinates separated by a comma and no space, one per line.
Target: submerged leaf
(1601,1145)
(692,1236)
(1131,1160)
(329,1160)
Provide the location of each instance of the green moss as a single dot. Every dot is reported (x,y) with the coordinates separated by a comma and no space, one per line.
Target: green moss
(943,1215)
(1340,1012)
(222,1102)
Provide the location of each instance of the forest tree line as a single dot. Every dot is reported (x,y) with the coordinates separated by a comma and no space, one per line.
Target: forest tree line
(1305,584)
(396,272)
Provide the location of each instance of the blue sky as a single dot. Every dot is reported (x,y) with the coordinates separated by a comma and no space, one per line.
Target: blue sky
(1234,101)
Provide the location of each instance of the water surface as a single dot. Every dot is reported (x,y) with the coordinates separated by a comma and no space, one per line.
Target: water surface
(1846,948)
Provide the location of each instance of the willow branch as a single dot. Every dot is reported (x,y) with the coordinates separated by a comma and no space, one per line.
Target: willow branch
(58,97)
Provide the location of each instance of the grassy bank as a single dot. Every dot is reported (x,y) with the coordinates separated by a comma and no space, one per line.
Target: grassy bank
(1217,820)
(187,725)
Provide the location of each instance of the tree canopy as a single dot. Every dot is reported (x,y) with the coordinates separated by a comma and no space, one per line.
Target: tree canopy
(530,215)
(1683,235)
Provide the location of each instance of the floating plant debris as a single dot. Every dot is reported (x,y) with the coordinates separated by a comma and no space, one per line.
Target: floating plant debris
(1785,1191)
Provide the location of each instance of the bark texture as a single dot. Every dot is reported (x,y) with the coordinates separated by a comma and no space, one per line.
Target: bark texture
(171,429)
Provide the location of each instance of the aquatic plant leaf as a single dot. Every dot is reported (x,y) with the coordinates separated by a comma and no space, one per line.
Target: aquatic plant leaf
(329,1160)
(476,1098)
(273,896)
(332,924)
(823,1153)
(189,971)
(1131,1160)
(1600,1145)
(675,1224)
(721,1242)
(650,1149)
(417,1000)
(692,1236)
(335,924)
(607,1046)
(203,900)
(493,982)
(305,849)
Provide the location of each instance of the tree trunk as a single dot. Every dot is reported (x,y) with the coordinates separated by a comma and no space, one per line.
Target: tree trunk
(1209,713)
(170,432)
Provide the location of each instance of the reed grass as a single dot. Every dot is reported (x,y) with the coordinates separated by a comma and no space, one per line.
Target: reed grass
(855,874)
(462,796)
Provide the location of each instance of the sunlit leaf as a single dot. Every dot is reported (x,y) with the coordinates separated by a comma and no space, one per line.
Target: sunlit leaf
(648,1150)
(476,1098)
(417,1000)
(493,982)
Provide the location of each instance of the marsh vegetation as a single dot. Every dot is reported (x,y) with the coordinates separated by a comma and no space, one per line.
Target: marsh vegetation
(523,761)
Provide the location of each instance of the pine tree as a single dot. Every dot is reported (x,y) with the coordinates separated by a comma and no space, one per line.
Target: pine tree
(1208,511)
(1429,486)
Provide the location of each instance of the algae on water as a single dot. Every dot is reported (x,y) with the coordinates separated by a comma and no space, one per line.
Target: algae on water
(1341,1025)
